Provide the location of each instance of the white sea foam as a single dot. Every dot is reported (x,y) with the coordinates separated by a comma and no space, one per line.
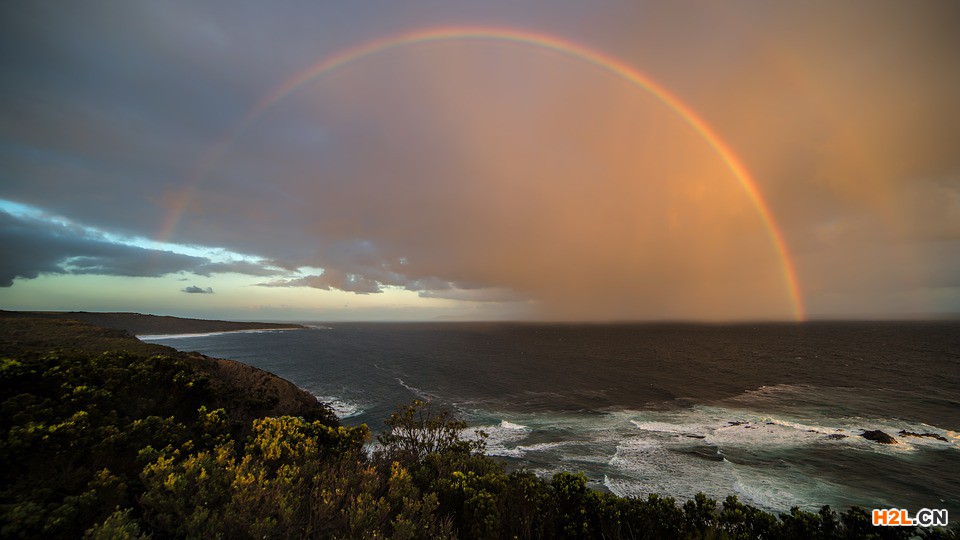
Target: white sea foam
(667,427)
(544,446)
(418,392)
(719,450)
(502,438)
(681,469)
(785,490)
(680,452)
(647,466)
(750,430)
(342,408)
(757,435)
(528,450)
(510,425)
(158,337)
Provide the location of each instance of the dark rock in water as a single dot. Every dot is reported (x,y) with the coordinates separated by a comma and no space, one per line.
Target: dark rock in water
(879,436)
(737,423)
(904,433)
(836,436)
(770,424)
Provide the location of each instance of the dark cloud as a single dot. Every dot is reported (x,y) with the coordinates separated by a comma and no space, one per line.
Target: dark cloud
(193,289)
(33,247)
(331,279)
(427,288)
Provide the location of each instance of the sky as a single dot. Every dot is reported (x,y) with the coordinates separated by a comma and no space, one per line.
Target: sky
(498,160)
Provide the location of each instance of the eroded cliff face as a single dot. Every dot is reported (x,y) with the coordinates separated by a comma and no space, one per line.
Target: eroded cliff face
(260,392)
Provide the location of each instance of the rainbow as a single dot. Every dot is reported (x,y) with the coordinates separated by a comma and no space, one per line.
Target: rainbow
(566,48)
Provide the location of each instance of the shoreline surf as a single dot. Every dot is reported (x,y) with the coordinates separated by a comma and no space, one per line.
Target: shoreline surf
(158,337)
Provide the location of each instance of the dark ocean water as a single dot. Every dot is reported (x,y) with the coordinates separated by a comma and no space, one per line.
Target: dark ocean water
(769,412)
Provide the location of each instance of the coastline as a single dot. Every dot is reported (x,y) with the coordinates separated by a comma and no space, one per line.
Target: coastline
(205,334)
(140,324)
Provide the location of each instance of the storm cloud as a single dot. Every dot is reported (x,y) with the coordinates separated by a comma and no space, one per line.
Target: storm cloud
(34,246)
(331,279)
(485,171)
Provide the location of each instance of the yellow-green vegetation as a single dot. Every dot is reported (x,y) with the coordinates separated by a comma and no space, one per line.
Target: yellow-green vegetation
(125,445)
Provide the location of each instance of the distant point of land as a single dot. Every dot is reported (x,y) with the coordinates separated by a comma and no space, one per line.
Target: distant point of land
(143,325)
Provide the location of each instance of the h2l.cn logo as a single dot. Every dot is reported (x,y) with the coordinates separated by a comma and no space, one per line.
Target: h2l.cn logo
(898,517)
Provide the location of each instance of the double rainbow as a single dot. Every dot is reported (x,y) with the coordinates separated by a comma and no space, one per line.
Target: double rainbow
(566,48)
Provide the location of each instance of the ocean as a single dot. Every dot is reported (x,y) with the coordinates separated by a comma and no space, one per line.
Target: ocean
(771,413)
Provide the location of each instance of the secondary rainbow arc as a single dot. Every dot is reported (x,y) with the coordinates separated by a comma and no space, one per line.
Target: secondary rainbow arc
(572,50)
